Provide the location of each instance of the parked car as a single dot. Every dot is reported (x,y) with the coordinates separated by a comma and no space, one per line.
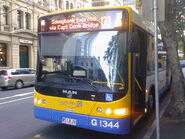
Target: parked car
(17,77)
(182,63)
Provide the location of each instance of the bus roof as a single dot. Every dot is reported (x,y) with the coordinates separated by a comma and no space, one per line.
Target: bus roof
(87,9)
(143,23)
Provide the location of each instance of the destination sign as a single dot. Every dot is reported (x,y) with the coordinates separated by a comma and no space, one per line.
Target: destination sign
(85,21)
(77,23)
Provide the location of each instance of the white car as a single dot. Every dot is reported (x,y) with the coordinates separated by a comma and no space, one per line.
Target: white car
(17,78)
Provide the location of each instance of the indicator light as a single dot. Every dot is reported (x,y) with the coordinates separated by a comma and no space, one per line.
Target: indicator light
(35,100)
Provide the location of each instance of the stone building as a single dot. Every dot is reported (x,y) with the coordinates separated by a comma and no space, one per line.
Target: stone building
(18,28)
(101,3)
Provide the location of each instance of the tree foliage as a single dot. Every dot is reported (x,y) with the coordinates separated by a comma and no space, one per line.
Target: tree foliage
(178,11)
(170,31)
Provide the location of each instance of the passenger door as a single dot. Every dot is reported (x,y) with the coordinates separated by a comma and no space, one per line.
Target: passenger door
(139,77)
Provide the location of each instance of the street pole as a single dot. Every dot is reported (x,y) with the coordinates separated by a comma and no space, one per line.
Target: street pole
(156,71)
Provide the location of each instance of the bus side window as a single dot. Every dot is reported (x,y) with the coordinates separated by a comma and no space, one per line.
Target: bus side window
(150,56)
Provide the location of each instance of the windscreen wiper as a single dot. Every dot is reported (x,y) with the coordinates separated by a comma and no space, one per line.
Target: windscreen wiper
(86,81)
(65,75)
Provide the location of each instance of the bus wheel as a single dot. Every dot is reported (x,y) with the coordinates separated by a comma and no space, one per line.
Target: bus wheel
(151,101)
(19,84)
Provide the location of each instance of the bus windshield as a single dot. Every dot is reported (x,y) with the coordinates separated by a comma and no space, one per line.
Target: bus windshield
(90,61)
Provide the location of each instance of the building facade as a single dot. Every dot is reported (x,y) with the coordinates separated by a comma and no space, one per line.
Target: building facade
(18,28)
(106,3)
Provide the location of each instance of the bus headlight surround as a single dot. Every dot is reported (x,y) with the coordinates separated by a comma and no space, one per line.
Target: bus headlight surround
(40,101)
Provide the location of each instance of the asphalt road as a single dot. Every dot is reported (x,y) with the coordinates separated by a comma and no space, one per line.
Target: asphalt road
(17,121)
(16,117)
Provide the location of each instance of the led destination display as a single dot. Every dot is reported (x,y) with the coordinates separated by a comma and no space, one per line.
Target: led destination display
(85,21)
(77,23)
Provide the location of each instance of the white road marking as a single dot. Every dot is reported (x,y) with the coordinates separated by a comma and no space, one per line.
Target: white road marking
(15,100)
(19,95)
(24,94)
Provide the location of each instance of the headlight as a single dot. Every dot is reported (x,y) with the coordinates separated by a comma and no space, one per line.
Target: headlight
(122,111)
(108,111)
(39,101)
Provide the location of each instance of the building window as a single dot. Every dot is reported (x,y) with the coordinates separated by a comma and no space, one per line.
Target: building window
(67,5)
(27,20)
(71,6)
(5,15)
(45,3)
(56,3)
(19,19)
(60,4)
(3,55)
(91,64)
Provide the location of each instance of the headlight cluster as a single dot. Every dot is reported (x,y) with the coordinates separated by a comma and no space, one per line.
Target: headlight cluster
(109,111)
(39,101)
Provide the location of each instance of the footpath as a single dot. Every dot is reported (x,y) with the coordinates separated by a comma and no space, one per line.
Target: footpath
(169,129)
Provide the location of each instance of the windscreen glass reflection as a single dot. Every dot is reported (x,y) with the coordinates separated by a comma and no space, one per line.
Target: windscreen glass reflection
(95,58)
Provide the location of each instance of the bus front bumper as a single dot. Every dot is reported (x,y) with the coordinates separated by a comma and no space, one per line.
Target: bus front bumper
(108,125)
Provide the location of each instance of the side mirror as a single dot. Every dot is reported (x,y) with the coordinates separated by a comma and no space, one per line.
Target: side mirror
(134,42)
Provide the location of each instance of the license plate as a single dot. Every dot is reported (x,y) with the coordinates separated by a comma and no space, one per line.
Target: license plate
(68,121)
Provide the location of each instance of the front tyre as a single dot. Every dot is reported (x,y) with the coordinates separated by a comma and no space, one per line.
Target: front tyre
(19,84)
(151,101)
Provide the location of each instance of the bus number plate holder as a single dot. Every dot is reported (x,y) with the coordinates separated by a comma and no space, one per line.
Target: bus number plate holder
(68,121)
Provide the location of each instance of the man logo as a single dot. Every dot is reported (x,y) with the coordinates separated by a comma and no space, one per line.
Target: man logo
(69,93)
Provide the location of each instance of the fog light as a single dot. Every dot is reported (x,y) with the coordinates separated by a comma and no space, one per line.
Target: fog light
(44,101)
(99,109)
(122,111)
(108,111)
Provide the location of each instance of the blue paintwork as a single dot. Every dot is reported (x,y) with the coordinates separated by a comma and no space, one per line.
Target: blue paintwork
(107,125)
